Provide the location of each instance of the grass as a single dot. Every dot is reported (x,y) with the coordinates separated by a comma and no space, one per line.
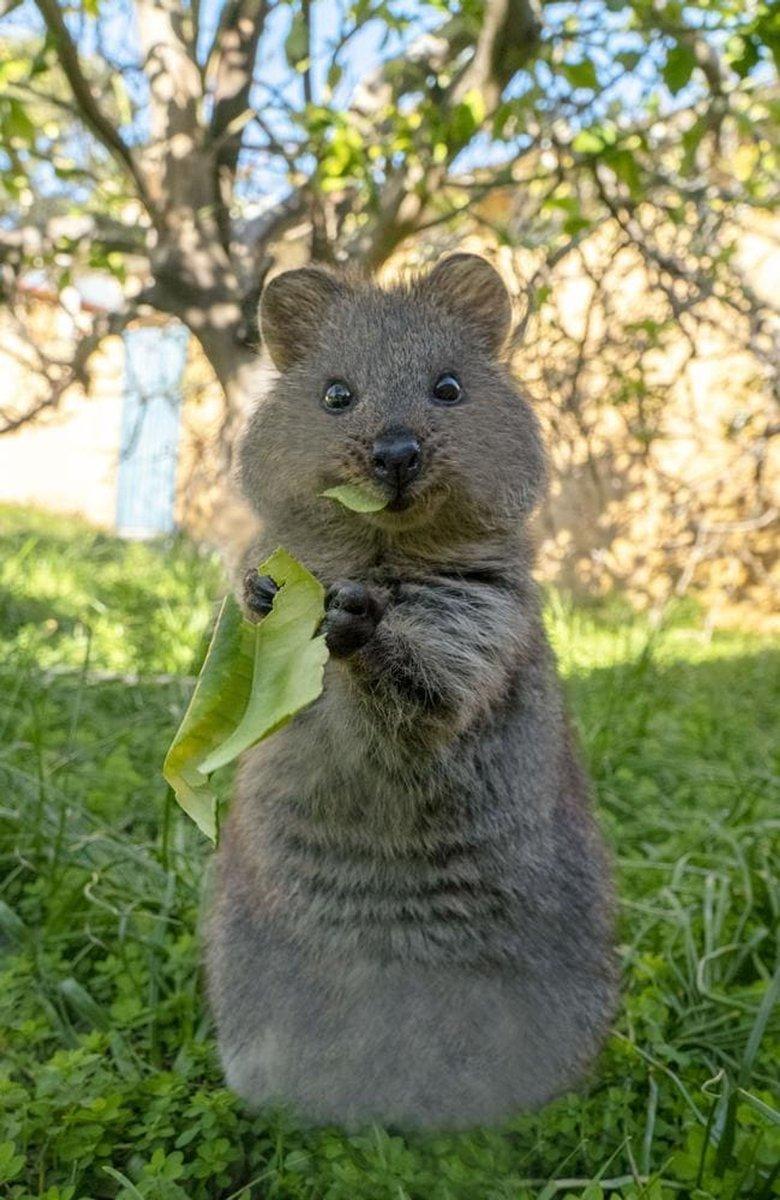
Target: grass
(109,1084)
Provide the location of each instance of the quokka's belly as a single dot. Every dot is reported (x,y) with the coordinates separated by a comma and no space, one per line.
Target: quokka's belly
(350,1040)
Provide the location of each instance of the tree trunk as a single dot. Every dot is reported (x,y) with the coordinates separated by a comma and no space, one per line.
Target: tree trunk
(235,366)
(194,281)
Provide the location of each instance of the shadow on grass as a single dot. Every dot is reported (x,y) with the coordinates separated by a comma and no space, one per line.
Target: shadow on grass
(17,611)
(724,710)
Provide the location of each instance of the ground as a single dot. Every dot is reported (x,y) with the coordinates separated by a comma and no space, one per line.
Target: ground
(109,1084)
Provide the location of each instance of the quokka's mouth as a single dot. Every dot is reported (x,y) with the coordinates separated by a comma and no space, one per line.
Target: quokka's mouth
(401,502)
(409,510)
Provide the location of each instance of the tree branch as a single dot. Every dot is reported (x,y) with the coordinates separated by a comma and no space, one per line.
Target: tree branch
(231,60)
(508,39)
(308,95)
(88,107)
(63,375)
(252,238)
(231,64)
(19,246)
(176,93)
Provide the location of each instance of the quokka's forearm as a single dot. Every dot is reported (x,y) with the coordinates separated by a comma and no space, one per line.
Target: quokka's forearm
(443,655)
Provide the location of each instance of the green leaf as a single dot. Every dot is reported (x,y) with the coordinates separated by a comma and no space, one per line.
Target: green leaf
(678,68)
(581,74)
(18,125)
(12,926)
(84,1005)
(296,44)
(501,117)
(466,118)
(289,659)
(11,1163)
(216,707)
(629,59)
(124,108)
(120,1178)
(255,678)
(587,142)
(625,167)
(474,101)
(765,1009)
(14,70)
(575,224)
(360,497)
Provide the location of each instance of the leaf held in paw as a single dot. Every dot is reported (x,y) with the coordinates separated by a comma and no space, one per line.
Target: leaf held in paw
(288,659)
(360,497)
(254,680)
(219,700)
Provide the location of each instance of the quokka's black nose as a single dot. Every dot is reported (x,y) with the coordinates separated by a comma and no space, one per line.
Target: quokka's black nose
(396,458)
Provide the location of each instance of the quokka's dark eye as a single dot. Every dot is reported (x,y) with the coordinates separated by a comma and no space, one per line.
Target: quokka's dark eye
(338,397)
(447,390)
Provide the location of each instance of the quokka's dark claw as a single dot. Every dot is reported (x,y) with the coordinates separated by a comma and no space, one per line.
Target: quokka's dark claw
(259,592)
(352,613)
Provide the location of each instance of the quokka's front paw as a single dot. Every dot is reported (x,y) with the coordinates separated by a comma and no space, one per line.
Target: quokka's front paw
(352,613)
(259,592)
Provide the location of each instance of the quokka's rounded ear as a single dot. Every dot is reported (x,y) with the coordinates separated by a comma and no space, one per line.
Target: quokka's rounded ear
(292,308)
(470,288)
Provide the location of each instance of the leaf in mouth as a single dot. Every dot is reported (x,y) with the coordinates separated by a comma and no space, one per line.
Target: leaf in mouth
(360,497)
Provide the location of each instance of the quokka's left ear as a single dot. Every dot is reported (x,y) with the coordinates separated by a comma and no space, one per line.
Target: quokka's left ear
(471,289)
(292,308)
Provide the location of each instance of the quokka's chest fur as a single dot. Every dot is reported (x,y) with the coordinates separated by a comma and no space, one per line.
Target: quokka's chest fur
(439,853)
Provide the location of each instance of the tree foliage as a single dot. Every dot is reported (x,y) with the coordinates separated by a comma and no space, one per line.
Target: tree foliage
(173,144)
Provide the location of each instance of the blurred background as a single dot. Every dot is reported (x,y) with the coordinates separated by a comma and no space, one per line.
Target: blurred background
(618,163)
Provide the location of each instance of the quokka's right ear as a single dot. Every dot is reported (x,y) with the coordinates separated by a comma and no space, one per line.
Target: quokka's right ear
(292,308)
(472,290)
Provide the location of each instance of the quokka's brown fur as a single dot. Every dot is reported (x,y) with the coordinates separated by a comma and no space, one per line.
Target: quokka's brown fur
(412,919)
